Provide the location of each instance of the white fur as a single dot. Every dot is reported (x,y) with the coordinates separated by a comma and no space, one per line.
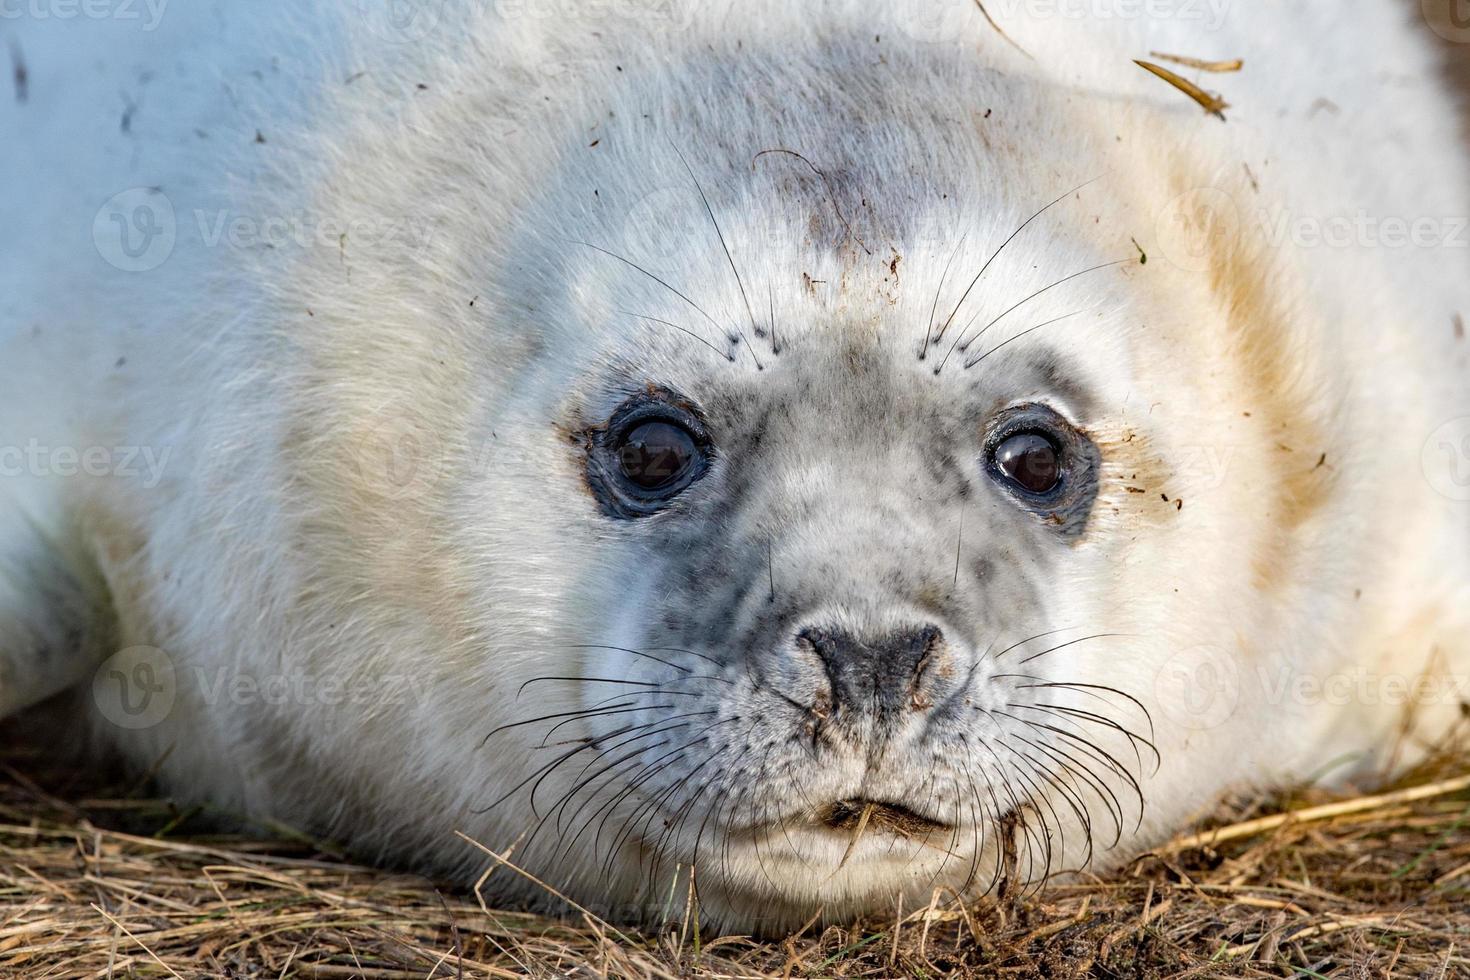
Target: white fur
(359,490)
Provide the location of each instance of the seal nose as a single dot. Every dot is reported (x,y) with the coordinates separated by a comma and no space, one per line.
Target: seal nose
(883,674)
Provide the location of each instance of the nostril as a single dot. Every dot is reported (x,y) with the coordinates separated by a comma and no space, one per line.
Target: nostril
(819,641)
(926,641)
(929,641)
(929,637)
(882,669)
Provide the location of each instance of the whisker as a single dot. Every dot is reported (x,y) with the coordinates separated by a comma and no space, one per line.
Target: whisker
(1083,773)
(1029,330)
(934,308)
(958,544)
(1063,646)
(1074,802)
(771,300)
(590,680)
(582,784)
(727,355)
(1028,639)
(1093,751)
(1102,720)
(1065,279)
(739,282)
(831,191)
(588,744)
(631,651)
(1043,683)
(623,711)
(690,653)
(964,296)
(630,826)
(638,268)
(580,713)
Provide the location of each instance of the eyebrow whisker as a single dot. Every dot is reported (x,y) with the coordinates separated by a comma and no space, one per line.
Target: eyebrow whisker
(739,282)
(994,255)
(976,360)
(1017,305)
(653,319)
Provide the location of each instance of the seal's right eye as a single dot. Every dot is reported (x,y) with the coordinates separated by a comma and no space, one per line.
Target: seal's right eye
(656,455)
(653,448)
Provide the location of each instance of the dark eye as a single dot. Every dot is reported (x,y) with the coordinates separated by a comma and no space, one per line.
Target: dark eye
(1045,464)
(656,455)
(1031,461)
(652,449)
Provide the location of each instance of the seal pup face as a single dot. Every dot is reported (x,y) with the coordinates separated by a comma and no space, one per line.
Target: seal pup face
(843,593)
(856,462)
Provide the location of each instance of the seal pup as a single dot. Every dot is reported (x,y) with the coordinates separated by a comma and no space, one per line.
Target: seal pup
(822,454)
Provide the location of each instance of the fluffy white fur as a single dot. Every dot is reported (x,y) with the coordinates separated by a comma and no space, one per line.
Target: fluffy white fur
(368,527)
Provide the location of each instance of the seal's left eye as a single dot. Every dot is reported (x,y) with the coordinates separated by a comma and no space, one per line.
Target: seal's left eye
(656,455)
(1031,461)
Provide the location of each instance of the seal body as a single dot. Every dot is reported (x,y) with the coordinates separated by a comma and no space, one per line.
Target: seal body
(1042,457)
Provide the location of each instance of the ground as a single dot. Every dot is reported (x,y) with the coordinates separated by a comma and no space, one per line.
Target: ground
(100,878)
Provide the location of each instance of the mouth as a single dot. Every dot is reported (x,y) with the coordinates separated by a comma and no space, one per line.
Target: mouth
(851,817)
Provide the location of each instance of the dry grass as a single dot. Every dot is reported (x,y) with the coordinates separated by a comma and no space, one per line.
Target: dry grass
(99,881)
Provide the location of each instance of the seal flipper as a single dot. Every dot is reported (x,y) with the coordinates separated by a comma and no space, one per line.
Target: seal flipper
(53,618)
